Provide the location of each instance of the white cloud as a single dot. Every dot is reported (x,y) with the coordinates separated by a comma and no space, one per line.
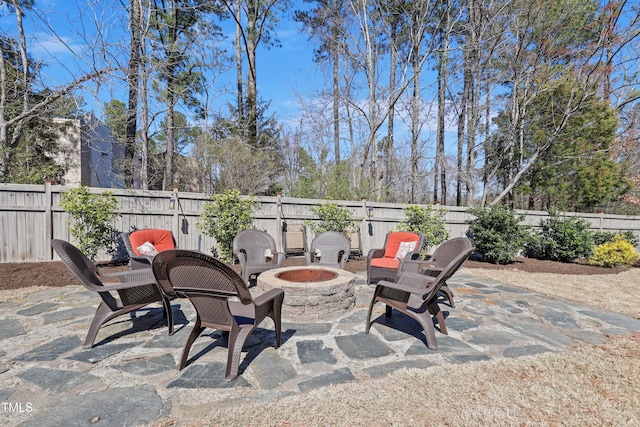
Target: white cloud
(46,45)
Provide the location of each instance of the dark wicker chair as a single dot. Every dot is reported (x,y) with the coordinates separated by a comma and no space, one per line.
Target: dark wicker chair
(162,240)
(415,295)
(439,260)
(209,284)
(334,250)
(250,247)
(135,289)
(382,264)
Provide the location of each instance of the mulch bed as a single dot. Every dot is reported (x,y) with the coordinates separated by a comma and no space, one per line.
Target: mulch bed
(530,265)
(54,274)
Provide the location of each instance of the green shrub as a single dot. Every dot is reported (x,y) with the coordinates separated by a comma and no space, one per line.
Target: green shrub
(428,222)
(496,233)
(602,237)
(224,216)
(91,219)
(332,217)
(616,252)
(561,239)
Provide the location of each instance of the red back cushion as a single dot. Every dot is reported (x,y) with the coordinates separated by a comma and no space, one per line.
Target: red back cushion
(394,239)
(162,240)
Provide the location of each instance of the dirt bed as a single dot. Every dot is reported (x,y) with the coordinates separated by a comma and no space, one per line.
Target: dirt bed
(52,274)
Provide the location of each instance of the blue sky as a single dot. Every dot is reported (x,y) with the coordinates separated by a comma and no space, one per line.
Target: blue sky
(59,32)
(282,71)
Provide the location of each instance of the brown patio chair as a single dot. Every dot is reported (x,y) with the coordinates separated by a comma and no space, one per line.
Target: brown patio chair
(415,295)
(135,289)
(439,260)
(334,249)
(256,251)
(137,244)
(382,264)
(210,285)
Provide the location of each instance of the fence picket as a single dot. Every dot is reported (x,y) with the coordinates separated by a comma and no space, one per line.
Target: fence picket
(30,216)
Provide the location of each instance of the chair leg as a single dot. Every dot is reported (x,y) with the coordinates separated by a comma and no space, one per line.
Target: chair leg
(277,323)
(237,337)
(103,314)
(373,302)
(168,313)
(195,333)
(434,310)
(445,289)
(441,324)
(429,331)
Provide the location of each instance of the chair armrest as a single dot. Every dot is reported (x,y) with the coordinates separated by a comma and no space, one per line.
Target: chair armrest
(308,258)
(203,292)
(271,294)
(420,287)
(344,259)
(279,258)
(242,258)
(125,285)
(419,266)
(375,253)
(410,282)
(144,259)
(131,276)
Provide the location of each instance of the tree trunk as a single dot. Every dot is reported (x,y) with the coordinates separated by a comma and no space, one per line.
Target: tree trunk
(336,95)
(252,91)
(415,128)
(9,143)
(167,182)
(393,54)
(144,113)
(440,164)
(240,100)
(472,79)
(462,112)
(135,22)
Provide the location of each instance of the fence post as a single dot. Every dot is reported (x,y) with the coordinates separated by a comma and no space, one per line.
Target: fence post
(365,227)
(175,220)
(48,219)
(279,231)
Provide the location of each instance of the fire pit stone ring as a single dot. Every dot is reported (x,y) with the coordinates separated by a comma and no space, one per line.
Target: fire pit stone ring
(311,293)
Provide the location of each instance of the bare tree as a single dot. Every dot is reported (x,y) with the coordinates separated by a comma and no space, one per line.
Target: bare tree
(255,27)
(17,74)
(327,23)
(544,48)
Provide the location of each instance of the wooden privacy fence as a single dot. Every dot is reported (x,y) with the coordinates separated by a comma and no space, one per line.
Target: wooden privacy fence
(30,216)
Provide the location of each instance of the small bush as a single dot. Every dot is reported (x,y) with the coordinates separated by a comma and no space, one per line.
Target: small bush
(332,217)
(561,239)
(616,252)
(496,233)
(602,237)
(428,222)
(224,216)
(91,219)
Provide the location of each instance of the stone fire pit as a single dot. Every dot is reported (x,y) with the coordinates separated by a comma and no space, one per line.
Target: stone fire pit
(311,293)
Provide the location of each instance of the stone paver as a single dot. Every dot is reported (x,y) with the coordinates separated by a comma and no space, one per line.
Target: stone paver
(55,380)
(11,328)
(47,378)
(112,407)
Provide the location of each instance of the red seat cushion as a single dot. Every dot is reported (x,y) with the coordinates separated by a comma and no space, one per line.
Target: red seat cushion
(385,263)
(394,239)
(162,240)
